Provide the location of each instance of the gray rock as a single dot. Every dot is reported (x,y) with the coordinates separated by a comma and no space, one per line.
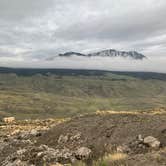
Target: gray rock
(151,142)
(21,152)
(2,146)
(75,137)
(83,153)
(140,138)
(63,139)
(49,154)
(123,149)
(34,132)
(15,163)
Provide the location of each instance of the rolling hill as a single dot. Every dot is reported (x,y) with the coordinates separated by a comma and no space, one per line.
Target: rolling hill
(41,93)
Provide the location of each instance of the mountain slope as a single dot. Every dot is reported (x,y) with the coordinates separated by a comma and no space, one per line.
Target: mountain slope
(105,53)
(115,53)
(31,93)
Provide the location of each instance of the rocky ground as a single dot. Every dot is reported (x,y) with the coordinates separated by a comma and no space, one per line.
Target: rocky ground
(140,137)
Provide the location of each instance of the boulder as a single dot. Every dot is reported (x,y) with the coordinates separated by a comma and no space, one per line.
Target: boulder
(83,153)
(151,142)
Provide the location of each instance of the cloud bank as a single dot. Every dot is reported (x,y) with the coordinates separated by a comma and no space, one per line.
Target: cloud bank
(32,30)
(103,63)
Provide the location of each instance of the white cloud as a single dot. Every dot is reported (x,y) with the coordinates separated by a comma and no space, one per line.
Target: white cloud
(153,64)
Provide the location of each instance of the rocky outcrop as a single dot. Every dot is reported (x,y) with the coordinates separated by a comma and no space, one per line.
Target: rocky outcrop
(84,138)
(139,145)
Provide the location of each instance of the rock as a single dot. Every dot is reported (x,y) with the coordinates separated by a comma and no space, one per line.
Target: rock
(21,152)
(15,132)
(76,137)
(83,153)
(123,149)
(63,139)
(20,142)
(64,154)
(49,154)
(151,142)
(2,146)
(16,162)
(43,154)
(8,119)
(23,135)
(29,134)
(34,132)
(56,164)
(140,138)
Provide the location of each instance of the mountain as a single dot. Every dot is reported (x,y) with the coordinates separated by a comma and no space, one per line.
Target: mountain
(72,53)
(67,54)
(105,53)
(115,53)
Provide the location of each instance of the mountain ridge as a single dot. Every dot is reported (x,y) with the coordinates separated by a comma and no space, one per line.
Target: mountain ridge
(104,53)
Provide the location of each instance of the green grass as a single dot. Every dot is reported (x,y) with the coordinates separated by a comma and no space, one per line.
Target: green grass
(40,96)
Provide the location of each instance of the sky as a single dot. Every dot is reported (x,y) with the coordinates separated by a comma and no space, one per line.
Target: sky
(34,30)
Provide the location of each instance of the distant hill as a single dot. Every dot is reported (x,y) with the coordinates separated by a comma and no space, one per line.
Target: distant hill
(41,93)
(105,53)
(75,72)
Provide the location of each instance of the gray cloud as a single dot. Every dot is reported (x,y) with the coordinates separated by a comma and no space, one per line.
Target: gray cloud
(121,28)
(4,53)
(21,9)
(32,30)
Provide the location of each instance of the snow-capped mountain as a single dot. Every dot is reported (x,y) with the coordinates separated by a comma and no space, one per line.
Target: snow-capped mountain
(115,53)
(105,53)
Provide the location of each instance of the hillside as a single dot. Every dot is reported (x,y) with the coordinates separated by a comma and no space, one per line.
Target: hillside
(98,139)
(44,93)
(82,117)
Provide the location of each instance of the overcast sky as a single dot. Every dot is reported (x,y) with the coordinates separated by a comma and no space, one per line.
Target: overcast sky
(32,30)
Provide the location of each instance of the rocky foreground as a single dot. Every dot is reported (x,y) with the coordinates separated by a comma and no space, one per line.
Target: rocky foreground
(126,138)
